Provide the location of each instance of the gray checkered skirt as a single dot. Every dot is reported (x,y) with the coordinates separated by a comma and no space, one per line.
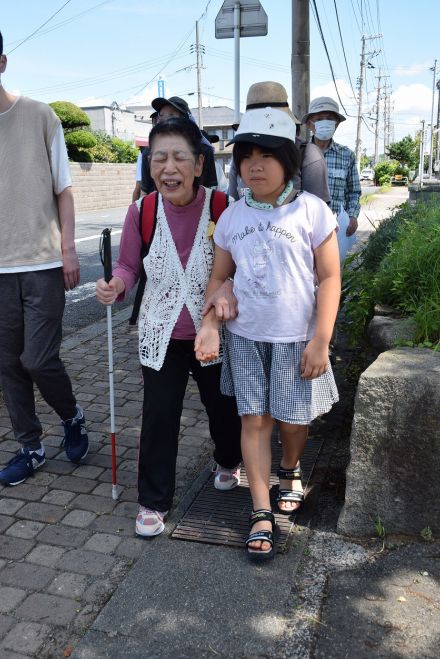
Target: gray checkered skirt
(265,379)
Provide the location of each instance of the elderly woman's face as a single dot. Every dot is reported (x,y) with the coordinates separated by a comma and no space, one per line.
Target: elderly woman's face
(173,167)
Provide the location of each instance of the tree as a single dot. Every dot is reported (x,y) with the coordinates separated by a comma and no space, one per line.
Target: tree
(112,149)
(77,133)
(365,161)
(125,151)
(384,170)
(406,152)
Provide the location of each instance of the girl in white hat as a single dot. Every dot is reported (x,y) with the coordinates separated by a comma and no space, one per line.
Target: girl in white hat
(277,243)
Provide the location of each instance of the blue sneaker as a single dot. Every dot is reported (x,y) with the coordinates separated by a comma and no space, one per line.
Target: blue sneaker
(21,467)
(76,442)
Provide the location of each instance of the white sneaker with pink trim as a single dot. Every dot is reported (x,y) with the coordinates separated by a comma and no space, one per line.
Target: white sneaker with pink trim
(226,479)
(149,522)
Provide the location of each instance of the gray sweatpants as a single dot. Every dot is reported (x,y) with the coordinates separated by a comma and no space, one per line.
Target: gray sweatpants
(32,306)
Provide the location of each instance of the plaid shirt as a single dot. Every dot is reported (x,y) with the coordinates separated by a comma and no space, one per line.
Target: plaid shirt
(343,179)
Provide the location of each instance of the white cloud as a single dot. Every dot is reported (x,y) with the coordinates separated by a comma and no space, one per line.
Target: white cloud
(409,104)
(414,99)
(91,101)
(413,70)
(345,93)
(144,98)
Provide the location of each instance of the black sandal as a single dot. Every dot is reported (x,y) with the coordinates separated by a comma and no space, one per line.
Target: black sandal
(291,496)
(264,536)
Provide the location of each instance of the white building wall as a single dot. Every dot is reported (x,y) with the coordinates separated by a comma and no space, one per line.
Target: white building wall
(118,123)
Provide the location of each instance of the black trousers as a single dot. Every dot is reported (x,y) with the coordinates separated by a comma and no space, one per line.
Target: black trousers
(164,392)
(30,339)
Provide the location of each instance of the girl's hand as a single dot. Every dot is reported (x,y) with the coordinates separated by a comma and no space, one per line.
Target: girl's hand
(207,344)
(314,360)
(107,293)
(223,301)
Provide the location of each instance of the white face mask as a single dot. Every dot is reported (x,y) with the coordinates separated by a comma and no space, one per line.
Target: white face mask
(325,129)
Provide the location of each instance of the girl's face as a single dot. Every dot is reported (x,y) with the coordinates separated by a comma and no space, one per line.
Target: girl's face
(264,175)
(173,167)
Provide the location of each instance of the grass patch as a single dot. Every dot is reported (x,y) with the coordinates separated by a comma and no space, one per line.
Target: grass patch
(399,267)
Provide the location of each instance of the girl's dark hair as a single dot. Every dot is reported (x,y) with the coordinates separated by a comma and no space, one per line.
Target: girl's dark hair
(287,154)
(179,126)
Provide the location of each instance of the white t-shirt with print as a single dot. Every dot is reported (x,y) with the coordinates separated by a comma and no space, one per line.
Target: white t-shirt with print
(275,278)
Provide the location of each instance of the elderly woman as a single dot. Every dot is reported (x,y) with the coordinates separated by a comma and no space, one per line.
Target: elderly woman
(177,107)
(177,266)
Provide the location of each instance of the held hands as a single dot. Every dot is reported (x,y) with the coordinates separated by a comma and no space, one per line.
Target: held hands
(107,293)
(207,343)
(314,360)
(223,301)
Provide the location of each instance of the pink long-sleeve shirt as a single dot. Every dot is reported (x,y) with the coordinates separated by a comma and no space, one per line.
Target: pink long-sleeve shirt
(183,222)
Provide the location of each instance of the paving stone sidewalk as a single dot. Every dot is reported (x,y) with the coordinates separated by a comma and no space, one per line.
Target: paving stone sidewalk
(65,544)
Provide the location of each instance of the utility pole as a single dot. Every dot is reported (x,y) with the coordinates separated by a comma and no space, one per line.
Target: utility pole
(359,117)
(386,117)
(385,121)
(237,25)
(300,62)
(422,154)
(199,49)
(437,151)
(361,89)
(431,143)
(376,130)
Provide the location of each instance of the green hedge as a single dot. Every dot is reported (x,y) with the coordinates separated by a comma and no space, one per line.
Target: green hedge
(112,149)
(70,115)
(80,138)
(399,267)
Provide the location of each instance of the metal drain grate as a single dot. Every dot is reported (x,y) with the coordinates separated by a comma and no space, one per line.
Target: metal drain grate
(222,518)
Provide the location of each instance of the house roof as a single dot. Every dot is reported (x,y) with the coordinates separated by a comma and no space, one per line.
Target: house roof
(220,115)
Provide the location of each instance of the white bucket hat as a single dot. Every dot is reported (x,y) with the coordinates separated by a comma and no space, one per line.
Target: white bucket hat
(323,104)
(265,127)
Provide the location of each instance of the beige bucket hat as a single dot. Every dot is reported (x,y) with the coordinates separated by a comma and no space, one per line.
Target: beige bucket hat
(323,104)
(268,94)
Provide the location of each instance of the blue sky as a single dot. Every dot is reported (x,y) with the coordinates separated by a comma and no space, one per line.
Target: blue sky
(96,51)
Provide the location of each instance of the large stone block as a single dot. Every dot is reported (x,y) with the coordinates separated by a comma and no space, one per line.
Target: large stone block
(395,446)
(384,332)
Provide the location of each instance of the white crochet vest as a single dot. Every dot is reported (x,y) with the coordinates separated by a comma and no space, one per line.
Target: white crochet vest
(169,287)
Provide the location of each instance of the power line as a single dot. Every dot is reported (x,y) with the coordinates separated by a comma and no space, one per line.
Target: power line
(173,54)
(111,75)
(39,28)
(75,17)
(316,14)
(343,49)
(356,18)
(249,60)
(205,11)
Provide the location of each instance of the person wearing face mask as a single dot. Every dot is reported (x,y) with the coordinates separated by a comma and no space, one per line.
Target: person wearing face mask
(322,119)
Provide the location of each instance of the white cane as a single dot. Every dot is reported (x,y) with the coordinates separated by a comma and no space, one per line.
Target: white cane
(105,250)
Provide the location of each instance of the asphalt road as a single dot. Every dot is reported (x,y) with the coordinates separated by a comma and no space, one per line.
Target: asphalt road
(82,307)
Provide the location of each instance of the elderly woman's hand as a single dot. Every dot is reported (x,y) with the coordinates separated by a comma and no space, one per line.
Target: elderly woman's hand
(207,343)
(107,293)
(223,301)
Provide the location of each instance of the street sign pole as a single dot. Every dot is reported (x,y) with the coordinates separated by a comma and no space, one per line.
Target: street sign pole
(237,11)
(240,18)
